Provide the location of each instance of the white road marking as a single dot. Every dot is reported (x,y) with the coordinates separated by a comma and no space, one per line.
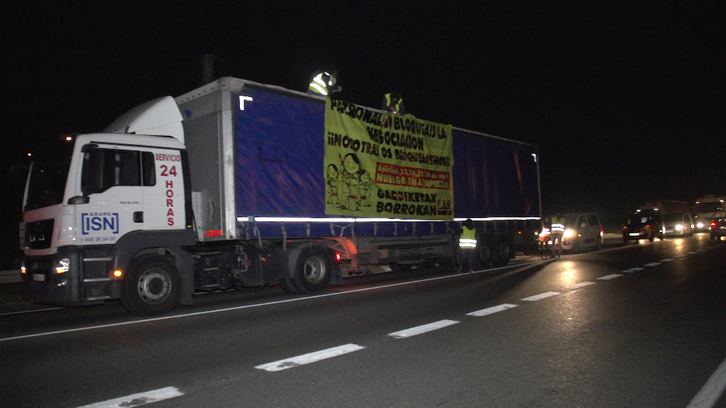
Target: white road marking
(540,296)
(256,305)
(652,264)
(47,309)
(414,331)
(137,400)
(611,276)
(667,260)
(632,270)
(492,310)
(310,358)
(581,285)
(712,390)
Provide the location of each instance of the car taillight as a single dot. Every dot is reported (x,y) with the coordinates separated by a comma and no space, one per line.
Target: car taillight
(713,224)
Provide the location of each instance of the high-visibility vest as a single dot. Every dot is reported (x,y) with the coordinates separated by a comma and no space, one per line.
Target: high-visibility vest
(558,225)
(467,238)
(318,86)
(397,106)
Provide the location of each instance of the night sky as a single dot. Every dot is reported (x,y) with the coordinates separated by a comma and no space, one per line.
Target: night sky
(624,98)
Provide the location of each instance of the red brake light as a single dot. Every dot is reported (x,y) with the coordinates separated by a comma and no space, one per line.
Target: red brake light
(338,257)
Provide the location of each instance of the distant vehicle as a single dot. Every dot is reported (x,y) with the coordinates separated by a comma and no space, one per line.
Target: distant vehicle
(582,231)
(718,228)
(707,209)
(679,224)
(644,224)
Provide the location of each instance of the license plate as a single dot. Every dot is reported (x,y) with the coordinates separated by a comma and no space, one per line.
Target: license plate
(39,277)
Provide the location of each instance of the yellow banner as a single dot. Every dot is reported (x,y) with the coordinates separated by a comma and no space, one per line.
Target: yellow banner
(384,165)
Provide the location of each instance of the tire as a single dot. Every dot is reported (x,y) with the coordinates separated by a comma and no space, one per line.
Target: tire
(576,246)
(312,272)
(651,237)
(598,243)
(287,285)
(483,255)
(152,286)
(501,252)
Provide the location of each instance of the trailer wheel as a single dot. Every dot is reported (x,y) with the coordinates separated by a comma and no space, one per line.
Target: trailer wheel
(502,250)
(313,272)
(152,286)
(484,254)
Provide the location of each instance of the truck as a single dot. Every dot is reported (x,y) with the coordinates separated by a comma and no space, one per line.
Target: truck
(239,184)
(706,210)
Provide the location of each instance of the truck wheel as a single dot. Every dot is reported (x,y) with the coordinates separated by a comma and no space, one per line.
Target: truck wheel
(484,254)
(287,286)
(152,286)
(313,272)
(502,250)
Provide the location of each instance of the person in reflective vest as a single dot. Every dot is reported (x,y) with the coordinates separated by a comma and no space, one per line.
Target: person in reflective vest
(324,84)
(467,243)
(393,102)
(556,232)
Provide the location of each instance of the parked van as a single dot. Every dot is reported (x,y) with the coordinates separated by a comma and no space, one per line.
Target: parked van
(582,231)
(678,224)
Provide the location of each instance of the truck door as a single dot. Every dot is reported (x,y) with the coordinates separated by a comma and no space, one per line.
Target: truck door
(111,182)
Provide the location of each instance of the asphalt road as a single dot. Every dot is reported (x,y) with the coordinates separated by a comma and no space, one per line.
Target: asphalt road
(640,325)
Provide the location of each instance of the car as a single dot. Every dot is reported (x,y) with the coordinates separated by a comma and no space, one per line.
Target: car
(718,228)
(644,224)
(678,224)
(582,231)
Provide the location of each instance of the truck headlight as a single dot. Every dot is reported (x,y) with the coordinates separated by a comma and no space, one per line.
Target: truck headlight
(62,265)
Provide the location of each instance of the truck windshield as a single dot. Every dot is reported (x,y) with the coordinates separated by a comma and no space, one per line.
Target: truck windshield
(47,178)
(713,206)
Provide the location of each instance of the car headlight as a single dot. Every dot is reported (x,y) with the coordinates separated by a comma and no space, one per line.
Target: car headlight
(679,227)
(568,233)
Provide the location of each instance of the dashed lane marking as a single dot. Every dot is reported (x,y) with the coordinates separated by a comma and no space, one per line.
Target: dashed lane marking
(310,358)
(633,270)
(581,285)
(540,296)
(652,264)
(492,310)
(137,400)
(611,276)
(414,331)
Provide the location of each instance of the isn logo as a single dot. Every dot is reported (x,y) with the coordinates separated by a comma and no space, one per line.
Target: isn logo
(99,221)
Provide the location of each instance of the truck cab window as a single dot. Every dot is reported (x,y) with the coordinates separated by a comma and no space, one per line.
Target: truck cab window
(106,168)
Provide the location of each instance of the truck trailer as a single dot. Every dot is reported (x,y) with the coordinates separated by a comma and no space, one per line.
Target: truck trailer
(238,184)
